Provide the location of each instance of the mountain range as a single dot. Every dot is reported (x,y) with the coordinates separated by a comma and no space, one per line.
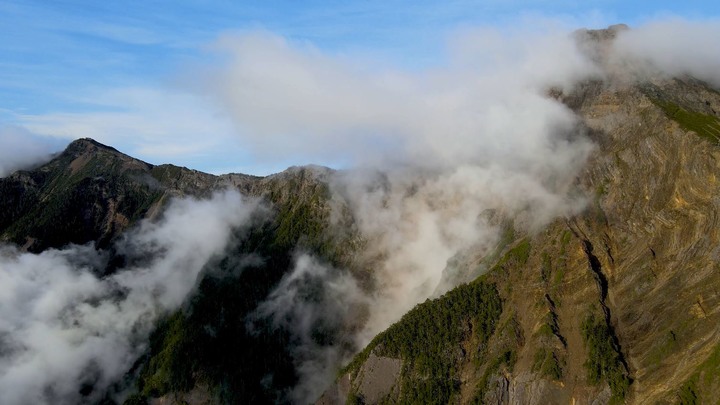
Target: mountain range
(614,302)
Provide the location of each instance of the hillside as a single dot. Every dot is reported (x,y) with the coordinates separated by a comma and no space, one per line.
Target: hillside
(93,193)
(616,305)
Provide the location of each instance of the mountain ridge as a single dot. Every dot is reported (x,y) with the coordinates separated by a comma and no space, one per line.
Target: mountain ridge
(615,304)
(609,333)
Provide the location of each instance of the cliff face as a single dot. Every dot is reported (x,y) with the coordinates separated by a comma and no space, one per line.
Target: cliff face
(617,305)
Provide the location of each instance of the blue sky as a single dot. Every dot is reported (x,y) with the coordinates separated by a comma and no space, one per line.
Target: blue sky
(65,61)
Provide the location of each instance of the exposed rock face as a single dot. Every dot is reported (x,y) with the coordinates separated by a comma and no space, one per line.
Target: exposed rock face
(619,304)
(377,377)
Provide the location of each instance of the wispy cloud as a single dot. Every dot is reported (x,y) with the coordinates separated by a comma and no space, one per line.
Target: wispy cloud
(671,46)
(21,149)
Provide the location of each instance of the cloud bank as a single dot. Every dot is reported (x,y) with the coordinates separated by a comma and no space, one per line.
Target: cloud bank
(66,334)
(290,99)
(436,159)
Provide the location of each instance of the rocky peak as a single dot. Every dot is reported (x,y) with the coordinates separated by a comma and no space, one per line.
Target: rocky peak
(88,143)
(596,44)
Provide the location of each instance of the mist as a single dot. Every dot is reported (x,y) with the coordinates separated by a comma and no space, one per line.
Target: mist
(22,149)
(433,162)
(315,300)
(436,160)
(64,329)
(670,47)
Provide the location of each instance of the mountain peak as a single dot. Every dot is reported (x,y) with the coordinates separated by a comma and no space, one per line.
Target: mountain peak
(596,43)
(600,35)
(86,144)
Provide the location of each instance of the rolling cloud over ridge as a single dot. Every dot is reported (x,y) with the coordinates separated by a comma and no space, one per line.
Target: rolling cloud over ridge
(62,327)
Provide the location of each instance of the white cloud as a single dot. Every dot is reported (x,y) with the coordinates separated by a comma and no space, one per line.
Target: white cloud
(62,326)
(434,152)
(314,297)
(672,46)
(292,99)
(21,149)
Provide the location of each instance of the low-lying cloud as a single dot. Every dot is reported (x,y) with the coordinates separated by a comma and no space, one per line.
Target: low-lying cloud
(64,329)
(315,300)
(436,159)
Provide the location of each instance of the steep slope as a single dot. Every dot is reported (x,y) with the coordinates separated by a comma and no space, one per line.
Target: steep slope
(212,347)
(617,305)
(218,345)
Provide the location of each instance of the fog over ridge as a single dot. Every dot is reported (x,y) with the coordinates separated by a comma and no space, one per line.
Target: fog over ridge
(477,139)
(62,326)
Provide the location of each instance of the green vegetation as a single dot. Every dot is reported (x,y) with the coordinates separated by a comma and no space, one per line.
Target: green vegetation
(69,199)
(303,221)
(687,395)
(216,339)
(136,399)
(507,237)
(604,360)
(170,369)
(427,338)
(520,253)
(561,264)
(666,345)
(706,375)
(545,267)
(547,364)
(166,174)
(601,189)
(545,330)
(507,359)
(706,126)
(551,327)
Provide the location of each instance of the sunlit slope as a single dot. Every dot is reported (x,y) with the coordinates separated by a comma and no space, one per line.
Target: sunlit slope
(616,305)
